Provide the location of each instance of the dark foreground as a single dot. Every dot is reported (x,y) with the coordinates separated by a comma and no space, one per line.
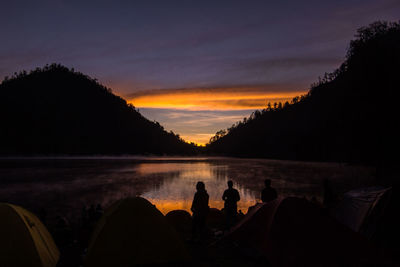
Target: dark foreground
(303,233)
(210,249)
(72,226)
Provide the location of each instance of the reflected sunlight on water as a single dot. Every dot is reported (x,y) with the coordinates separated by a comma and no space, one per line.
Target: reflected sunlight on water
(64,186)
(178,191)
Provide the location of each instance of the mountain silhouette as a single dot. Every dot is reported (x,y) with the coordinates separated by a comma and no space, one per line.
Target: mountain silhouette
(55,110)
(349,115)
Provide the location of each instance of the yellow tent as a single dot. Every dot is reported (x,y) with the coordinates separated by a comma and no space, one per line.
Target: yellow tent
(24,240)
(133,231)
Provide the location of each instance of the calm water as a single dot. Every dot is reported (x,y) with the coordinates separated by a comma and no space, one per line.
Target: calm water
(63,186)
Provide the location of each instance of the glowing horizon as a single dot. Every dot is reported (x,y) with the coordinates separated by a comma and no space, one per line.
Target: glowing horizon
(188,106)
(211,99)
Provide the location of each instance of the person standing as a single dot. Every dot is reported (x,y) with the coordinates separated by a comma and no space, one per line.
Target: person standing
(231,197)
(268,193)
(200,210)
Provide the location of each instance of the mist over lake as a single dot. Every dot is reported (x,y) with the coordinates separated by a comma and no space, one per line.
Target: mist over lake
(62,186)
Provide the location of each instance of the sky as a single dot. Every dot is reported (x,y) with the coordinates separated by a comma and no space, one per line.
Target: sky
(194,66)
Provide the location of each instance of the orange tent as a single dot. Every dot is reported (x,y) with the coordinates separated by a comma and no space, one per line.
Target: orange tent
(133,231)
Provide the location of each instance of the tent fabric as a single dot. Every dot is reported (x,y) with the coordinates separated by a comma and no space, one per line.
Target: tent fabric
(360,209)
(24,240)
(181,221)
(179,218)
(294,232)
(215,218)
(133,231)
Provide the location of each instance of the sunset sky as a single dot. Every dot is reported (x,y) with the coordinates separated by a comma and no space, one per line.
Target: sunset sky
(194,66)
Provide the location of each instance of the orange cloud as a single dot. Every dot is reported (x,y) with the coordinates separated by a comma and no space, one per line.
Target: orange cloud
(235,98)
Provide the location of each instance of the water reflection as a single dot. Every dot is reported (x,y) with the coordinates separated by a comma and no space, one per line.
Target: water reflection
(62,186)
(177,190)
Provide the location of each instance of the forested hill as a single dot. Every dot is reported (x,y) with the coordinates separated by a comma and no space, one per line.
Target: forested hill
(55,110)
(349,115)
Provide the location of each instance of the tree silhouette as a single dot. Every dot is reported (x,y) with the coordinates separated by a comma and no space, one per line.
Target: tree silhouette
(348,115)
(53,110)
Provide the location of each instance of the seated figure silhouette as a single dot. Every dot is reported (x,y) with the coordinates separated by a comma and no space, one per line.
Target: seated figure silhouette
(200,210)
(231,197)
(328,195)
(99,212)
(268,193)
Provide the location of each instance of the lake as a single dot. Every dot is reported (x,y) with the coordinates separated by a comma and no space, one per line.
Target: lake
(64,185)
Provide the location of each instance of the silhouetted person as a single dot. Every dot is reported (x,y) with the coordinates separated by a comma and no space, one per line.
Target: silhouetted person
(314,200)
(62,232)
(200,210)
(329,197)
(231,197)
(84,216)
(86,228)
(99,212)
(91,211)
(268,193)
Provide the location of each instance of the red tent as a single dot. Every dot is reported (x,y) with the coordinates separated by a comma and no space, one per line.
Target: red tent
(294,232)
(361,209)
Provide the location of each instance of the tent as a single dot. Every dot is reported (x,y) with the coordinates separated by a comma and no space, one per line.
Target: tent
(133,231)
(181,221)
(24,240)
(179,218)
(294,232)
(215,219)
(361,209)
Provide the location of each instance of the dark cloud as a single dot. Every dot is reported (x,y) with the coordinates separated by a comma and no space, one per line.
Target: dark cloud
(290,62)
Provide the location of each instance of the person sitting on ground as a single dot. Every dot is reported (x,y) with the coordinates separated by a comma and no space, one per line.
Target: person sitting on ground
(328,195)
(200,210)
(231,197)
(92,214)
(268,193)
(99,212)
